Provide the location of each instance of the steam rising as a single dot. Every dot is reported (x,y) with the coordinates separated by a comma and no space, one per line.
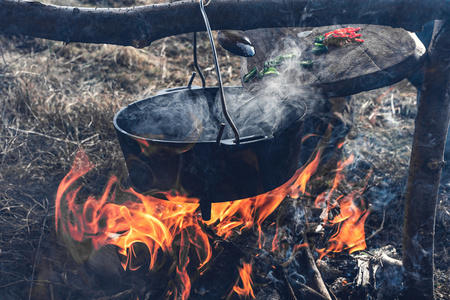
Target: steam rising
(268,106)
(259,113)
(192,115)
(273,102)
(179,116)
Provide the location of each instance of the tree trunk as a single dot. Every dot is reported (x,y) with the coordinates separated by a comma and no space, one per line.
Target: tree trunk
(139,26)
(425,168)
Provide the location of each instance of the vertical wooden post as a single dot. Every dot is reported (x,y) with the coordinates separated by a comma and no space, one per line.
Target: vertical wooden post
(425,168)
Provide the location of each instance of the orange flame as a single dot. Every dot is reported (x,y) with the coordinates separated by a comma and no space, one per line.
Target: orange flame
(350,234)
(124,222)
(124,218)
(245,277)
(350,221)
(226,217)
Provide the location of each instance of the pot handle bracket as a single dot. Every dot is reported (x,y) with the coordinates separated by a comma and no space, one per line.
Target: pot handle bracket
(219,79)
(197,67)
(205,208)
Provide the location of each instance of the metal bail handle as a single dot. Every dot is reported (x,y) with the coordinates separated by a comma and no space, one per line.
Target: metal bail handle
(219,79)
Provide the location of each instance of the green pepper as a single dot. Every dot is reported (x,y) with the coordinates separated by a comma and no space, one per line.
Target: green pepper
(286,56)
(270,64)
(279,59)
(268,71)
(250,75)
(307,63)
(319,49)
(320,39)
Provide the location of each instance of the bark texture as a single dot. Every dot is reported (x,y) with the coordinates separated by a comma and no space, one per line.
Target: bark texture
(139,26)
(425,168)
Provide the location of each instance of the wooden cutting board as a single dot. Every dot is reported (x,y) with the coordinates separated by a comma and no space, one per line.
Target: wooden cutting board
(386,56)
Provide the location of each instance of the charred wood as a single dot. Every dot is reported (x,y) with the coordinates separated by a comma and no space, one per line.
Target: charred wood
(288,291)
(140,26)
(379,274)
(304,291)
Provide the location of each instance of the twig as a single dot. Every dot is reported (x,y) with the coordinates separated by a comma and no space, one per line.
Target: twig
(288,291)
(118,295)
(38,252)
(392,105)
(43,135)
(52,137)
(12,283)
(384,259)
(4,60)
(380,228)
(305,291)
(89,138)
(309,293)
(384,94)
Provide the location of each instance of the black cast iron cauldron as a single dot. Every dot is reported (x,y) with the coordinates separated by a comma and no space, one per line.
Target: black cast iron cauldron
(213,170)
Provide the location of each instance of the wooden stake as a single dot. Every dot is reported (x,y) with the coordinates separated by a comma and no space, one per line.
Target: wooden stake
(425,168)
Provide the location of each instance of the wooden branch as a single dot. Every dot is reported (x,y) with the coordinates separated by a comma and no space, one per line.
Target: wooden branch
(139,26)
(316,278)
(305,291)
(288,292)
(425,168)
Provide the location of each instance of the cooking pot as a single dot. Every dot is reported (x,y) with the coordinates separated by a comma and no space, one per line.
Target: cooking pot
(175,141)
(178,140)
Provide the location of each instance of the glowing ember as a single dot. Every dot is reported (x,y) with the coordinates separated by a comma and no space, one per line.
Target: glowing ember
(174,228)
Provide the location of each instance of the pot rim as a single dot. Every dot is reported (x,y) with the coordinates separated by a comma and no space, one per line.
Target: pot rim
(229,141)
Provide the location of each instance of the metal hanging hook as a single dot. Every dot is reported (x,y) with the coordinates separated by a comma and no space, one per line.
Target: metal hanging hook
(197,67)
(219,77)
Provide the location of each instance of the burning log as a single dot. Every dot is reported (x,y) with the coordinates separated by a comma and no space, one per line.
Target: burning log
(139,26)
(181,245)
(289,294)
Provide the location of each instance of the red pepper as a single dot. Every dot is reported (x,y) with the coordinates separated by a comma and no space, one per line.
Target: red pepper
(343,36)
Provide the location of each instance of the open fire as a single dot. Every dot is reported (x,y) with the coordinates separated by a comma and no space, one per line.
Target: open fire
(174,228)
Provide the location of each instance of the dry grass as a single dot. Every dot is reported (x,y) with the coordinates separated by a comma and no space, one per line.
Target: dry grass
(56,98)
